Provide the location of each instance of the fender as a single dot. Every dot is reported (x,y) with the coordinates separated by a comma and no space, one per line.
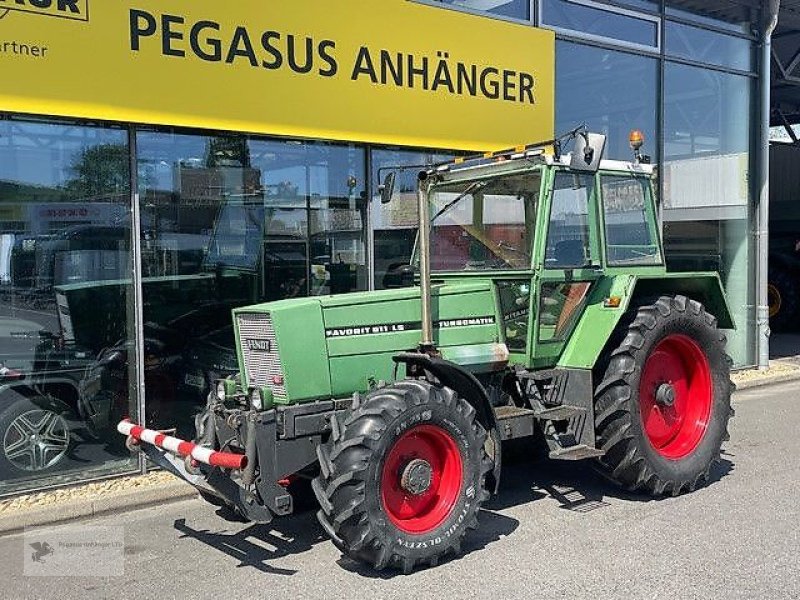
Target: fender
(466,385)
(598,322)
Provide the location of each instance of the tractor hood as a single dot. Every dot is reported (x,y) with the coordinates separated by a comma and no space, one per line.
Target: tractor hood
(311,348)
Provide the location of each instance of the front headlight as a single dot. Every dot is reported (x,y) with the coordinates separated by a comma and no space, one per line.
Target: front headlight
(221,391)
(255,399)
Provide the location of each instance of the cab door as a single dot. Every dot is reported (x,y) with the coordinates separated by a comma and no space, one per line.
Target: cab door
(568,261)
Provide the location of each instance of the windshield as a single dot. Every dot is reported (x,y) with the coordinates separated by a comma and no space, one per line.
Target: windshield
(484,224)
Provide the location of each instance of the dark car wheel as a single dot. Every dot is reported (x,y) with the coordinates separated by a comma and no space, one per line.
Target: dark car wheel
(37,435)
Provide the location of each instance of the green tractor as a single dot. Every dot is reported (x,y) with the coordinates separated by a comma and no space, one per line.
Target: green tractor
(542,306)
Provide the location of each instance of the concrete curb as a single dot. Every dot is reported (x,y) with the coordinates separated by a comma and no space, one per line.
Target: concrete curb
(71,510)
(768,380)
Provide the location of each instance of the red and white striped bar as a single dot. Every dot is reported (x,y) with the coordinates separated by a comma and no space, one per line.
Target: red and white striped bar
(225,460)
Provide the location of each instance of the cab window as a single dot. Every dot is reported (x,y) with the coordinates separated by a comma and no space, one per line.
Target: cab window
(631,237)
(568,235)
(484,224)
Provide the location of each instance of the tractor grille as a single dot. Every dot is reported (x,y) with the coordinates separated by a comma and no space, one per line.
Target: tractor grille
(262,362)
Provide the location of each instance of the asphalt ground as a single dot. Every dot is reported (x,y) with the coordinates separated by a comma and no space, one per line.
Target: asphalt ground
(557,530)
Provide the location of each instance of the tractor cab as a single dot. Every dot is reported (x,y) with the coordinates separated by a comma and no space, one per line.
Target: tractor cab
(545,229)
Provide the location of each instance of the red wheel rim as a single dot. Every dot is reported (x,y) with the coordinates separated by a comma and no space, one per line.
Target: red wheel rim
(675,396)
(421,510)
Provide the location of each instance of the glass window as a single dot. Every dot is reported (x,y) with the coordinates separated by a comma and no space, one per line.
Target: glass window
(568,236)
(559,305)
(516,9)
(229,221)
(593,20)
(631,237)
(484,224)
(741,26)
(706,189)
(701,45)
(612,92)
(395,224)
(649,5)
(65,295)
(515,299)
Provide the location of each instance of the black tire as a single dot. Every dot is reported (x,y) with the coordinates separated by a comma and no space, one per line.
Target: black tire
(784,300)
(18,413)
(631,457)
(350,485)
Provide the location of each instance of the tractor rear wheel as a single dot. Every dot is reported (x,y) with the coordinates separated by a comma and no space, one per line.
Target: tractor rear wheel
(663,404)
(403,475)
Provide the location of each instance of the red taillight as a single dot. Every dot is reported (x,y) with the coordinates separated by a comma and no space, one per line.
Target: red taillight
(11,374)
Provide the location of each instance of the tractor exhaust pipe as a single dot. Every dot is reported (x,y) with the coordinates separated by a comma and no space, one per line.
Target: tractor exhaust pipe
(427,345)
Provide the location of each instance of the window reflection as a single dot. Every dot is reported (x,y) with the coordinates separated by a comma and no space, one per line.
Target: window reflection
(706,46)
(612,92)
(706,185)
(229,221)
(517,9)
(600,22)
(64,291)
(395,224)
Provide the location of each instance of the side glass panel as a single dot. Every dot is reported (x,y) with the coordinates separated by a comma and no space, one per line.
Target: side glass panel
(612,92)
(515,299)
(559,306)
(65,302)
(395,223)
(601,22)
(631,237)
(517,9)
(707,187)
(229,221)
(568,239)
(706,46)
(485,224)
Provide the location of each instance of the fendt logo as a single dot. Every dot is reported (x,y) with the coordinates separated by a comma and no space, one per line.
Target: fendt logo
(77,10)
(259,345)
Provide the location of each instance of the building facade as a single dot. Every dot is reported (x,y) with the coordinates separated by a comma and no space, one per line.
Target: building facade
(230,159)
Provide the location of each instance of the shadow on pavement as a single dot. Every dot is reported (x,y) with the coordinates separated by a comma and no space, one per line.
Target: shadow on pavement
(255,545)
(575,486)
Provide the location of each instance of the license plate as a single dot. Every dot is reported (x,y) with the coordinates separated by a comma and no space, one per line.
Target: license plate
(197,381)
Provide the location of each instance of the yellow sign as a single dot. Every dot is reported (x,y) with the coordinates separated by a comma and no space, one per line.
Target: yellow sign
(392,72)
(66,9)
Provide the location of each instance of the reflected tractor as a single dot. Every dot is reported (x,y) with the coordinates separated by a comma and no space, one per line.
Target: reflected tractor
(540,305)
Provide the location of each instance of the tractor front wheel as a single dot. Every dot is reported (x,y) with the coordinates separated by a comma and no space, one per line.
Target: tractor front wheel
(663,404)
(403,475)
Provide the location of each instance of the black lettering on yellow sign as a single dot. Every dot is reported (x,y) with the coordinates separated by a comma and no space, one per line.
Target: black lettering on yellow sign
(273,50)
(66,9)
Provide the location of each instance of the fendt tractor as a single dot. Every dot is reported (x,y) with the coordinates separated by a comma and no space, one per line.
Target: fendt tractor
(539,306)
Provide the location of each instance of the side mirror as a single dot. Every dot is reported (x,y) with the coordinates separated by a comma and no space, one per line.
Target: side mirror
(588,152)
(387,188)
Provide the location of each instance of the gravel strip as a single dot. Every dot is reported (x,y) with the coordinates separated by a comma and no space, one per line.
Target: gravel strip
(778,371)
(86,492)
